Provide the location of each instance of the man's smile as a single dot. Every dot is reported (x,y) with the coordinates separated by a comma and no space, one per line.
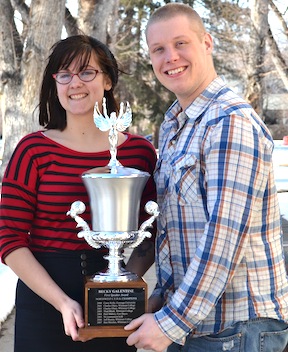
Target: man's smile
(175,71)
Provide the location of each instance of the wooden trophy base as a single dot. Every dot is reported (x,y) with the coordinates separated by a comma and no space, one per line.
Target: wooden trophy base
(109,306)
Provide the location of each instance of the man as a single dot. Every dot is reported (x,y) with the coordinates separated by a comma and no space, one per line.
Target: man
(220,267)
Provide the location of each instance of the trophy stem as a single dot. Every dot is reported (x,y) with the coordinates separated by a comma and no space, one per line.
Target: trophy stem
(114,259)
(115,271)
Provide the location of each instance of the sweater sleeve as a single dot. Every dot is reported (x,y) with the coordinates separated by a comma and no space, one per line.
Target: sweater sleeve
(18,199)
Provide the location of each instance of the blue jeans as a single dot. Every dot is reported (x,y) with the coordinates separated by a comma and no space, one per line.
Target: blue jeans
(256,335)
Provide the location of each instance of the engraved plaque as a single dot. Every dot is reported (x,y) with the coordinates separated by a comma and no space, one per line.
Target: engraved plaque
(115,305)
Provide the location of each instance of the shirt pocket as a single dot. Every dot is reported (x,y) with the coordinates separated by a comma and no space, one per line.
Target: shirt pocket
(184,179)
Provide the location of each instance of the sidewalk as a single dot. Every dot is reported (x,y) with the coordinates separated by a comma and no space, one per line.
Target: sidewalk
(7,334)
(7,329)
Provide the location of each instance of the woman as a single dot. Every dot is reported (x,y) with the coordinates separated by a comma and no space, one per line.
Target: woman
(37,240)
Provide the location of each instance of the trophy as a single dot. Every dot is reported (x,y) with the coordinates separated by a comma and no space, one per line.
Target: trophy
(113,297)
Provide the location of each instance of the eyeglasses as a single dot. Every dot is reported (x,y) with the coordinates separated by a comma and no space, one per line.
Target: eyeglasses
(85,76)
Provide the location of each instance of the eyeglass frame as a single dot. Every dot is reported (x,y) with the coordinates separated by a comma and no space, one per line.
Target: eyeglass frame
(54,75)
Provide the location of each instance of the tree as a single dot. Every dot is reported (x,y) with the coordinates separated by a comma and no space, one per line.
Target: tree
(247,50)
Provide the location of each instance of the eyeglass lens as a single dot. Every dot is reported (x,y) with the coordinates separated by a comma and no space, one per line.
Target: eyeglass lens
(66,77)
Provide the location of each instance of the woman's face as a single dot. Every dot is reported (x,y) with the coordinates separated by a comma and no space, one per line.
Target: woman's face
(78,97)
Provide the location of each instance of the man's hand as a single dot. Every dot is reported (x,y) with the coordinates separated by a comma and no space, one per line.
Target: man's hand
(148,336)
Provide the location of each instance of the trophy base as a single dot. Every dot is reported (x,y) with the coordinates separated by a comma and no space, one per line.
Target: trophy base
(92,332)
(109,306)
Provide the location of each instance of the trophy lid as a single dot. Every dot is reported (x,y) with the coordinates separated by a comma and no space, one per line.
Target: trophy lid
(121,171)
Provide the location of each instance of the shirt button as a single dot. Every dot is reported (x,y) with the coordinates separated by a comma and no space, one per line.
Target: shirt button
(84,272)
(83,264)
(173,142)
(162,232)
(83,256)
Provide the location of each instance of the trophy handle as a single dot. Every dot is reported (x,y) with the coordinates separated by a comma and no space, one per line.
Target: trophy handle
(79,207)
(151,208)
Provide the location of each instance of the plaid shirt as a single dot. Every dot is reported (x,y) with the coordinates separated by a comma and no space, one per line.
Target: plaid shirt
(220,258)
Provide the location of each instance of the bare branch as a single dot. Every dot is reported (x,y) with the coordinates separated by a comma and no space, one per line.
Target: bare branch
(278,59)
(71,24)
(279,16)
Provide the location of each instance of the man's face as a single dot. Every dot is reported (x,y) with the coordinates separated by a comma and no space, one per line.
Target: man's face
(181,57)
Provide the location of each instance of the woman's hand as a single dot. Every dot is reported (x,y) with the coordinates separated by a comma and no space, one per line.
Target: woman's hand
(72,315)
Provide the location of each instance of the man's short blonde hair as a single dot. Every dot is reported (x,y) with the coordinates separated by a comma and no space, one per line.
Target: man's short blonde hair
(174,9)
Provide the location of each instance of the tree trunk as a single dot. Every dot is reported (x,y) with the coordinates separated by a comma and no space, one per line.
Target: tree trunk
(277,57)
(256,69)
(10,81)
(278,60)
(37,51)
(94,17)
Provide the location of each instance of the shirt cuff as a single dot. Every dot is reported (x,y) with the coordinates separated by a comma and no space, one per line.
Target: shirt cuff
(172,325)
